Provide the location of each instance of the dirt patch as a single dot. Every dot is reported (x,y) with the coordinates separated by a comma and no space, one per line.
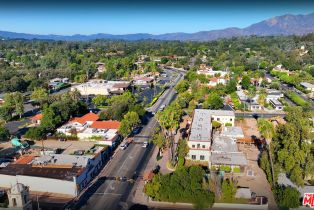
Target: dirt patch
(249,127)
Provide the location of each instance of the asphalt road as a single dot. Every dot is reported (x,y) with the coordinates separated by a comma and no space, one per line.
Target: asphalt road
(107,192)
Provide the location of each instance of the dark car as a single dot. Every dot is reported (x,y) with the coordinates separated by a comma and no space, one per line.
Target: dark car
(137,130)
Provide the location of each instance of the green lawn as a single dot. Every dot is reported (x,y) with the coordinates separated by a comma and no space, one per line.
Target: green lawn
(295,98)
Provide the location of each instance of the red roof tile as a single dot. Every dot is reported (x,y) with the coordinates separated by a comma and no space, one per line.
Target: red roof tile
(24,160)
(106,124)
(37,117)
(88,117)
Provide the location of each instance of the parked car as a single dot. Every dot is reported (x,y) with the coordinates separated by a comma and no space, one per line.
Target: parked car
(145,144)
(137,130)
(123,146)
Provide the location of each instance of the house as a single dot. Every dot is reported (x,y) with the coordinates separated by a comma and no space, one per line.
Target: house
(214,81)
(254,105)
(276,104)
(101,87)
(100,67)
(242,96)
(54,174)
(273,94)
(37,119)
(88,128)
(212,73)
(142,80)
(307,86)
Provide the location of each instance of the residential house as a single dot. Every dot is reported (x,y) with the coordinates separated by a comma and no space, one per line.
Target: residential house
(214,81)
(37,119)
(273,95)
(276,104)
(142,80)
(242,96)
(88,128)
(100,67)
(307,86)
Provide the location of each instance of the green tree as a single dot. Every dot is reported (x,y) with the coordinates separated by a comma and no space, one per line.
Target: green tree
(246,81)
(228,189)
(99,100)
(40,95)
(267,130)
(231,86)
(159,140)
(4,134)
(182,86)
(287,197)
(15,101)
(213,101)
(130,120)
(50,119)
(35,133)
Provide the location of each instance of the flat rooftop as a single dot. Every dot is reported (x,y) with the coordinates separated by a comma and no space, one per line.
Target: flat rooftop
(307,85)
(233,131)
(63,160)
(201,125)
(228,159)
(275,102)
(224,144)
(53,173)
(221,113)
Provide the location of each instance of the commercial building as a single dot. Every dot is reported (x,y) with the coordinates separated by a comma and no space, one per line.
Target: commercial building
(54,174)
(102,87)
(200,136)
(202,146)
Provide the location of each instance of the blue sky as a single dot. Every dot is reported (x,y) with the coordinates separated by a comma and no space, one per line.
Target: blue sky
(156,17)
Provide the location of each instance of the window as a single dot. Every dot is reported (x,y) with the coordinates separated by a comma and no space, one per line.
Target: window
(198,146)
(218,119)
(202,157)
(230,119)
(203,146)
(193,145)
(193,157)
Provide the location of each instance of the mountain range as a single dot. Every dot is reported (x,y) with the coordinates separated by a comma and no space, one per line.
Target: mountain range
(279,25)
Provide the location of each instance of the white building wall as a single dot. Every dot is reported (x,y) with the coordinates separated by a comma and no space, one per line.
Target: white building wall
(40,184)
(224,119)
(199,148)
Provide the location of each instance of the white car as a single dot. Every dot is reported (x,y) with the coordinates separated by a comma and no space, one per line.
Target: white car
(123,146)
(145,144)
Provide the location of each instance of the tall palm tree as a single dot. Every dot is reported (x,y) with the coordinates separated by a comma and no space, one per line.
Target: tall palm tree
(267,130)
(169,120)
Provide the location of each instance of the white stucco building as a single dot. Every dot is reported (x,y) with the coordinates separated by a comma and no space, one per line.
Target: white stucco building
(55,173)
(101,87)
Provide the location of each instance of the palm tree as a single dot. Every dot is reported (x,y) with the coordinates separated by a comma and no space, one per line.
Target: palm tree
(267,130)
(169,122)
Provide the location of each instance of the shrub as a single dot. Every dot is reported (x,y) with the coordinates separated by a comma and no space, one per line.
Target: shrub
(287,197)
(236,170)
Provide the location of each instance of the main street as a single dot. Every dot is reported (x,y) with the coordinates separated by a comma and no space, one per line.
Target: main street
(107,192)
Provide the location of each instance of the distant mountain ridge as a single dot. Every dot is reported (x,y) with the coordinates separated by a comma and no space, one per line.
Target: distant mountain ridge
(279,25)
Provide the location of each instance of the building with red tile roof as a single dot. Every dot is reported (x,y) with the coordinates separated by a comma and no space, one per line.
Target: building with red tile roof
(110,124)
(90,117)
(37,118)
